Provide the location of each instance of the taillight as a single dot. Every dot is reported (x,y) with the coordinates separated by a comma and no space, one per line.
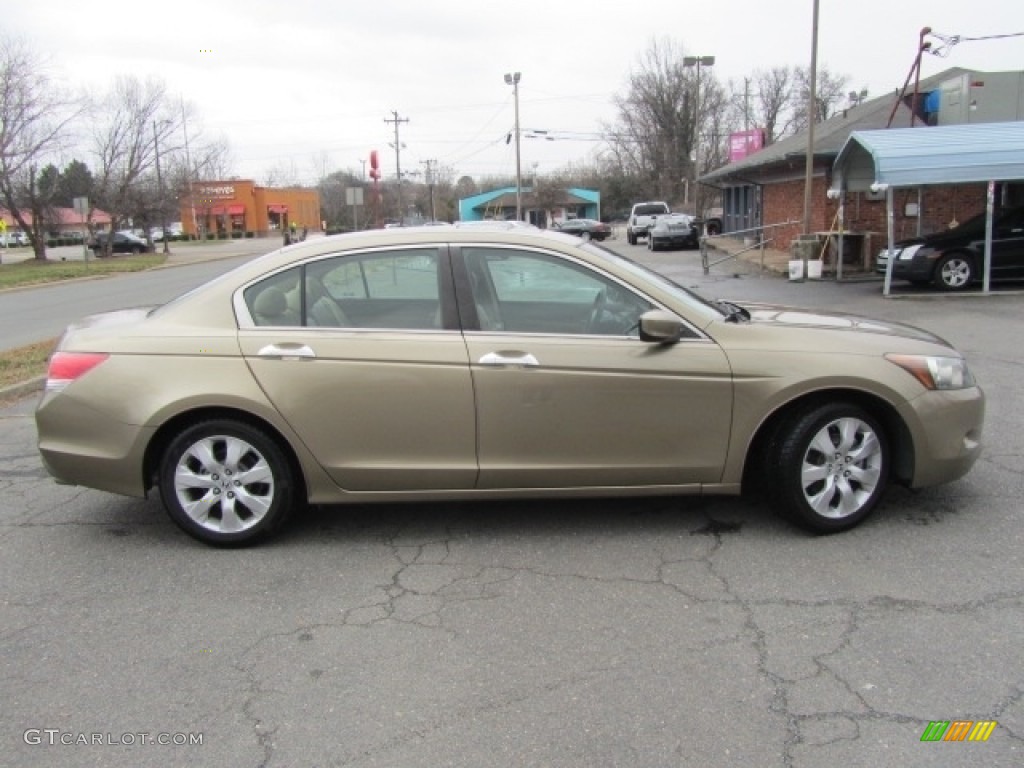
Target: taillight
(66,367)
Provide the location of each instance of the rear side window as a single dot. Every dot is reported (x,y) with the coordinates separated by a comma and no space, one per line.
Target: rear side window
(396,289)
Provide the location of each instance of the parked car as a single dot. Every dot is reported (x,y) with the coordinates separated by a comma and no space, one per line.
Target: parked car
(15,239)
(641,219)
(676,230)
(123,242)
(588,229)
(954,259)
(439,363)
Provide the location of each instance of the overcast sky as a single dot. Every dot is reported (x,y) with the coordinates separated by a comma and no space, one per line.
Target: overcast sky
(286,82)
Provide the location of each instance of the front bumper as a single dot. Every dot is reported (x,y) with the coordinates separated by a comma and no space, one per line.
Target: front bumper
(917,269)
(947,428)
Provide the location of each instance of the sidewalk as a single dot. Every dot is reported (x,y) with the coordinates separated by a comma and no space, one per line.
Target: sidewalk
(772,260)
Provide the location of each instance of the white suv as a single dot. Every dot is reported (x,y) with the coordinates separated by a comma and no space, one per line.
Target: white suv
(641,219)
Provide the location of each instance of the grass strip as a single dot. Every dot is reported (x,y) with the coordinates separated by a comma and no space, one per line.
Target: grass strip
(33,272)
(24,363)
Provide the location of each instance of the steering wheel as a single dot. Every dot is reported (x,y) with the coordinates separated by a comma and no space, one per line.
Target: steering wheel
(597,310)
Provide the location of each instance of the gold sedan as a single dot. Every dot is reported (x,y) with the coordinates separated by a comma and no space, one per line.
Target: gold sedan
(490,362)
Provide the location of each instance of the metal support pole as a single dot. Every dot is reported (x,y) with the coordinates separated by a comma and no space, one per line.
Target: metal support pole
(891,233)
(989,212)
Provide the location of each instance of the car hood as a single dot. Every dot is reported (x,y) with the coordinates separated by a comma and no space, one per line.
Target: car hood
(781,316)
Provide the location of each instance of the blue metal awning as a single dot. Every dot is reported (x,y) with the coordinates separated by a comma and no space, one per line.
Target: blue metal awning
(915,157)
(911,157)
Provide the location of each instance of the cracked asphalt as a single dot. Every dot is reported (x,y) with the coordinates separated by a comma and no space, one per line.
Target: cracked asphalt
(653,632)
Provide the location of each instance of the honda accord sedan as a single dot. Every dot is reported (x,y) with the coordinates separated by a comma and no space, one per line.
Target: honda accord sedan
(441,363)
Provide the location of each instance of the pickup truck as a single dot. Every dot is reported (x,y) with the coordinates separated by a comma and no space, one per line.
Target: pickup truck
(641,219)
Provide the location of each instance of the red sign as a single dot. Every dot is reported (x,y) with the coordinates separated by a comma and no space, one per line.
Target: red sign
(745,143)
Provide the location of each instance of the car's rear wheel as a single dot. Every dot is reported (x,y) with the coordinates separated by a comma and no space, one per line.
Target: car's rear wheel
(954,272)
(585,235)
(225,482)
(830,467)
(136,249)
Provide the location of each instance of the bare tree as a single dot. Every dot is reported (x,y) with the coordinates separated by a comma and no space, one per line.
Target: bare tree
(35,115)
(131,123)
(830,92)
(284,174)
(767,104)
(657,129)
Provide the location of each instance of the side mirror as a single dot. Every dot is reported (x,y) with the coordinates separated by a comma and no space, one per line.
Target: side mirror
(660,327)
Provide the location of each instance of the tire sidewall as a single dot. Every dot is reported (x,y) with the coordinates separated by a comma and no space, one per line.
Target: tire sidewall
(282,502)
(785,464)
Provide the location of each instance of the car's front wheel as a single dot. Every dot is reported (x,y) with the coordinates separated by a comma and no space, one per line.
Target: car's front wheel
(953,272)
(225,482)
(830,467)
(585,236)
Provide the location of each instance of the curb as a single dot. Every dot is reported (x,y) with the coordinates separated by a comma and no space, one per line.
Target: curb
(22,389)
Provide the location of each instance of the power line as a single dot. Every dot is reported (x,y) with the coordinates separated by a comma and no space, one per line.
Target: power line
(952,40)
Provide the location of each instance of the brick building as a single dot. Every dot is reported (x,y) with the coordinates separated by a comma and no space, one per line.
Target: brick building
(767,188)
(240,208)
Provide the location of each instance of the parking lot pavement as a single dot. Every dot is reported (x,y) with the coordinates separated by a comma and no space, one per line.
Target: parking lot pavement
(620,632)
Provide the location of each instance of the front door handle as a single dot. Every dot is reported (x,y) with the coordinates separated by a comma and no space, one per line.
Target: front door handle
(509,360)
(287,351)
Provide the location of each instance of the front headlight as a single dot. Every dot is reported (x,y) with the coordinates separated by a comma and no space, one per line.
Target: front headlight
(908,253)
(935,372)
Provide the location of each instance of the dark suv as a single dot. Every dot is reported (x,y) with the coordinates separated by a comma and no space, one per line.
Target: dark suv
(955,258)
(123,242)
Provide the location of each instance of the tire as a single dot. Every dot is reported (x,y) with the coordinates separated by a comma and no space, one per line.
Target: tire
(829,467)
(954,272)
(713,227)
(631,238)
(585,236)
(650,244)
(136,250)
(225,482)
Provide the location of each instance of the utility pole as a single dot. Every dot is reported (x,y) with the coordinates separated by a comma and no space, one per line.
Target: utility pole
(188,171)
(431,164)
(398,160)
(812,113)
(513,80)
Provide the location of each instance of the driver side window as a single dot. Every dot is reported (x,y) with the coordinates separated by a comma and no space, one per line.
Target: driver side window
(530,292)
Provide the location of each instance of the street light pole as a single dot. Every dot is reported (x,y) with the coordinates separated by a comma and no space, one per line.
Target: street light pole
(698,61)
(513,80)
(160,188)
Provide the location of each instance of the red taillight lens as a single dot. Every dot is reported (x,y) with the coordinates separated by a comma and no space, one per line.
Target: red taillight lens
(65,367)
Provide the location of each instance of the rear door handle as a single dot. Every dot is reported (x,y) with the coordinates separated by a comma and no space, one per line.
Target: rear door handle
(287,351)
(509,360)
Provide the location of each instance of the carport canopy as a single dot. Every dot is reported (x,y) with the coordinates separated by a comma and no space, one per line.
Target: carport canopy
(913,157)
